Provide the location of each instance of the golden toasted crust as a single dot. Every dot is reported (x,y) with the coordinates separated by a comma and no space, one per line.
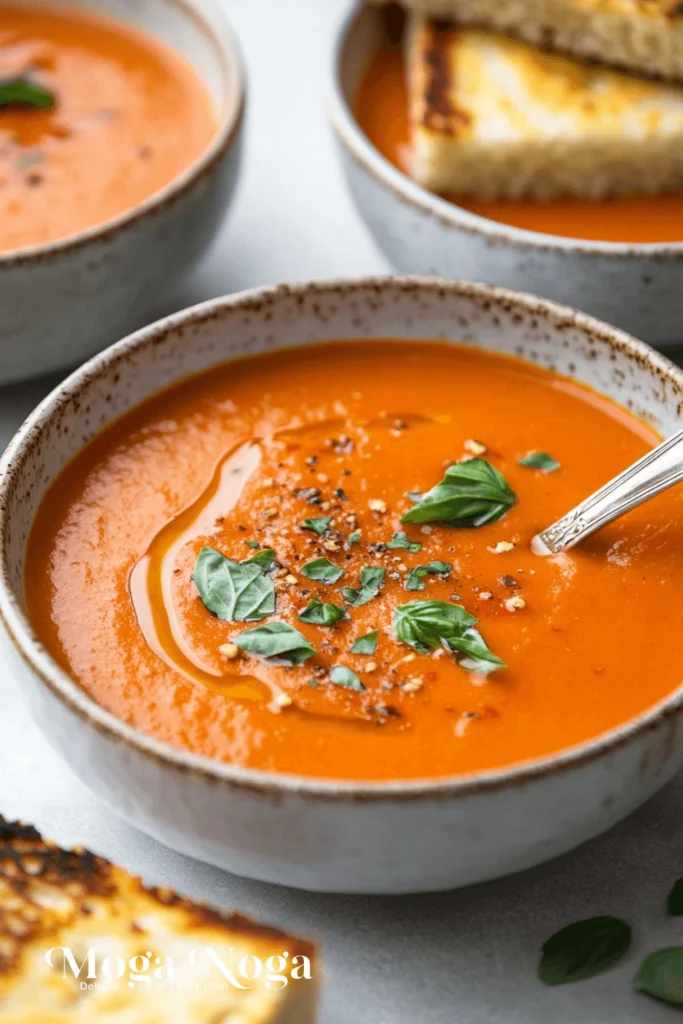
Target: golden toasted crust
(58,899)
(641,36)
(494,118)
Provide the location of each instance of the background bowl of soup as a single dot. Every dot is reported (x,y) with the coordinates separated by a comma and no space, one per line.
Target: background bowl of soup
(493,774)
(111,194)
(631,278)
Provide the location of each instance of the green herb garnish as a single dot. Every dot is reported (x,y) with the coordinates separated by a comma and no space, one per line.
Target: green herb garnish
(276,643)
(426,625)
(661,976)
(353,538)
(365,644)
(414,579)
(319,614)
(322,571)
(254,544)
(342,676)
(401,541)
(584,949)
(371,579)
(317,525)
(233,591)
(471,493)
(264,558)
(21,92)
(540,460)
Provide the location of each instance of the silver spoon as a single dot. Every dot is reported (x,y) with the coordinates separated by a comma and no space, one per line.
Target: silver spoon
(660,469)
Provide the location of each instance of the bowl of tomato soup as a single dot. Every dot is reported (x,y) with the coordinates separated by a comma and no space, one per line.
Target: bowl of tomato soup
(266,577)
(618,259)
(119,152)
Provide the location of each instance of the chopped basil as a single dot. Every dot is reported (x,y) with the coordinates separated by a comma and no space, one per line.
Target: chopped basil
(584,949)
(275,643)
(675,901)
(415,576)
(20,92)
(365,644)
(253,544)
(371,579)
(342,676)
(471,493)
(319,614)
(264,558)
(353,538)
(317,525)
(401,541)
(233,591)
(661,975)
(322,570)
(540,460)
(426,625)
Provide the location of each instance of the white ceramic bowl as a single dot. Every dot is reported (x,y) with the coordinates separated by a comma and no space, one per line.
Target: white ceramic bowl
(61,302)
(319,834)
(637,287)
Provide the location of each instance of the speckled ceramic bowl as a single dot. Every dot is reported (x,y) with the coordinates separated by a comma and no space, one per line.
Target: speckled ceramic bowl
(637,287)
(320,834)
(61,302)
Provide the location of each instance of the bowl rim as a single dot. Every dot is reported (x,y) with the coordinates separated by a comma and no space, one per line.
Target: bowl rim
(450,215)
(214,23)
(28,647)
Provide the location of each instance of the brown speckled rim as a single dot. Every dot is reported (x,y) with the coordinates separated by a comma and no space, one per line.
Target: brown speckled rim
(112,362)
(449,215)
(215,26)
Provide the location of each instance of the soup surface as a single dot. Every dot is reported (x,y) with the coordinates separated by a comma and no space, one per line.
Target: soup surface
(382,112)
(311,453)
(127,115)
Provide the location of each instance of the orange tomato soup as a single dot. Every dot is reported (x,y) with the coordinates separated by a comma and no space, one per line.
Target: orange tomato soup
(128,116)
(382,112)
(312,453)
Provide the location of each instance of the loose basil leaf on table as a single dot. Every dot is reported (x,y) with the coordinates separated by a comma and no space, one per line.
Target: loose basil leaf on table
(233,591)
(342,676)
(540,460)
(322,571)
(427,625)
(371,579)
(365,644)
(21,92)
(583,949)
(472,493)
(319,614)
(661,976)
(276,643)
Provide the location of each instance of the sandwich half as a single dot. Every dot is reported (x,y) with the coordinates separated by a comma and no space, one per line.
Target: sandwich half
(642,36)
(135,955)
(493,118)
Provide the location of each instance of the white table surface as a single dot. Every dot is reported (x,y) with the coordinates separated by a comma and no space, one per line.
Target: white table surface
(467,957)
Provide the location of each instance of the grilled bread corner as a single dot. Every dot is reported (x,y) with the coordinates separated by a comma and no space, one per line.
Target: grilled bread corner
(493,118)
(53,899)
(641,36)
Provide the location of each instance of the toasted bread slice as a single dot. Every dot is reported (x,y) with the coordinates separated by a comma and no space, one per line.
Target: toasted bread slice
(493,118)
(642,36)
(53,899)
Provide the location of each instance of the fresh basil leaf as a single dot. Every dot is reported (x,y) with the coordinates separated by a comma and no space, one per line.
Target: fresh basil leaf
(254,544)
(365,644)
(540,460)
(426,625)
(661,975)
(438,568)
(233,591)
(675,901)
(319,614)
(471,493)
(479,657)
(583,949)
(264,559)
(322,570)
(353,538)
(371,579)
(401,541)
(317,525)
(20,92)
(342,676)
(415,576)
(276,643)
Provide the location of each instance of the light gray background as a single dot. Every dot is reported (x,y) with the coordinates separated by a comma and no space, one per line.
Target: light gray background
(467,957)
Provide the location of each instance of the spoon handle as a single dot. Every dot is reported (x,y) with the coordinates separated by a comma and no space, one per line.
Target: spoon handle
(660,469)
